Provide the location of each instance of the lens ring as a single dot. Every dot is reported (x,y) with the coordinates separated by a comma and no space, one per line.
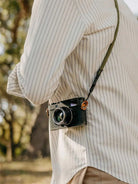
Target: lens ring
(71,116)
(54,117)
(63,121)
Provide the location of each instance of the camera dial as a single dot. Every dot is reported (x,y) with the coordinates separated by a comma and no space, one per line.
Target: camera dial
(62,116)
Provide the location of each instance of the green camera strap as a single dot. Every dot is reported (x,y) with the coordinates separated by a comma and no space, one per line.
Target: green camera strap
(98,73)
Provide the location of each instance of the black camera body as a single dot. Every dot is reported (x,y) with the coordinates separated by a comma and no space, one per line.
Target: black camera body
(67,113)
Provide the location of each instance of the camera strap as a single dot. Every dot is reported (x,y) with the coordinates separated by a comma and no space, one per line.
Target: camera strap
(98,73)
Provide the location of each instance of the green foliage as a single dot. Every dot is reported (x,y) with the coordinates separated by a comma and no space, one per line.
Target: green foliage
(13,7)
(16,114)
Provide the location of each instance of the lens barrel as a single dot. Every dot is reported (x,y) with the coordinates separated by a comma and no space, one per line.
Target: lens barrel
(62,116)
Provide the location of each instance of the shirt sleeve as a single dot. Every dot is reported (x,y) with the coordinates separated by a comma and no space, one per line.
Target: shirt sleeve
(55,29)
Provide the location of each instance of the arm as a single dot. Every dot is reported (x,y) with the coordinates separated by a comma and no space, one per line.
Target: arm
(55,29)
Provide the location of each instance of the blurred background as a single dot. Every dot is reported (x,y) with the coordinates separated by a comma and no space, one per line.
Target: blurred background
(24,143)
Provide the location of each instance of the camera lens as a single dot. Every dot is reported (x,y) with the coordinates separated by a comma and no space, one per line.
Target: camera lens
(62,116)
(59,115)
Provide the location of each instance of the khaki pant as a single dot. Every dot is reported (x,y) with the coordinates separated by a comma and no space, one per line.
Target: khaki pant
(91,175)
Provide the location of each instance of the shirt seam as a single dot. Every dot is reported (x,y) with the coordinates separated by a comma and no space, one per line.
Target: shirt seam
(81,15)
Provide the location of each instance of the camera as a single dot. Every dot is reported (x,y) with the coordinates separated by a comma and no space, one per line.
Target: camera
(67,113)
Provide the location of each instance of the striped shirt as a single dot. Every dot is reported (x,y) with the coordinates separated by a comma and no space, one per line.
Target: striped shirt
(65,45)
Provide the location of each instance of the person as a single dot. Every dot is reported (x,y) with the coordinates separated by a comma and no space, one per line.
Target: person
(65,45)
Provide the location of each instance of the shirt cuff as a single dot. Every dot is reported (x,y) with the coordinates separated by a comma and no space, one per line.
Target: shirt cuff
(13,87)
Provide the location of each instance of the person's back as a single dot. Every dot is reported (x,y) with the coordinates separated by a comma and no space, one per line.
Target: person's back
(109,141)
